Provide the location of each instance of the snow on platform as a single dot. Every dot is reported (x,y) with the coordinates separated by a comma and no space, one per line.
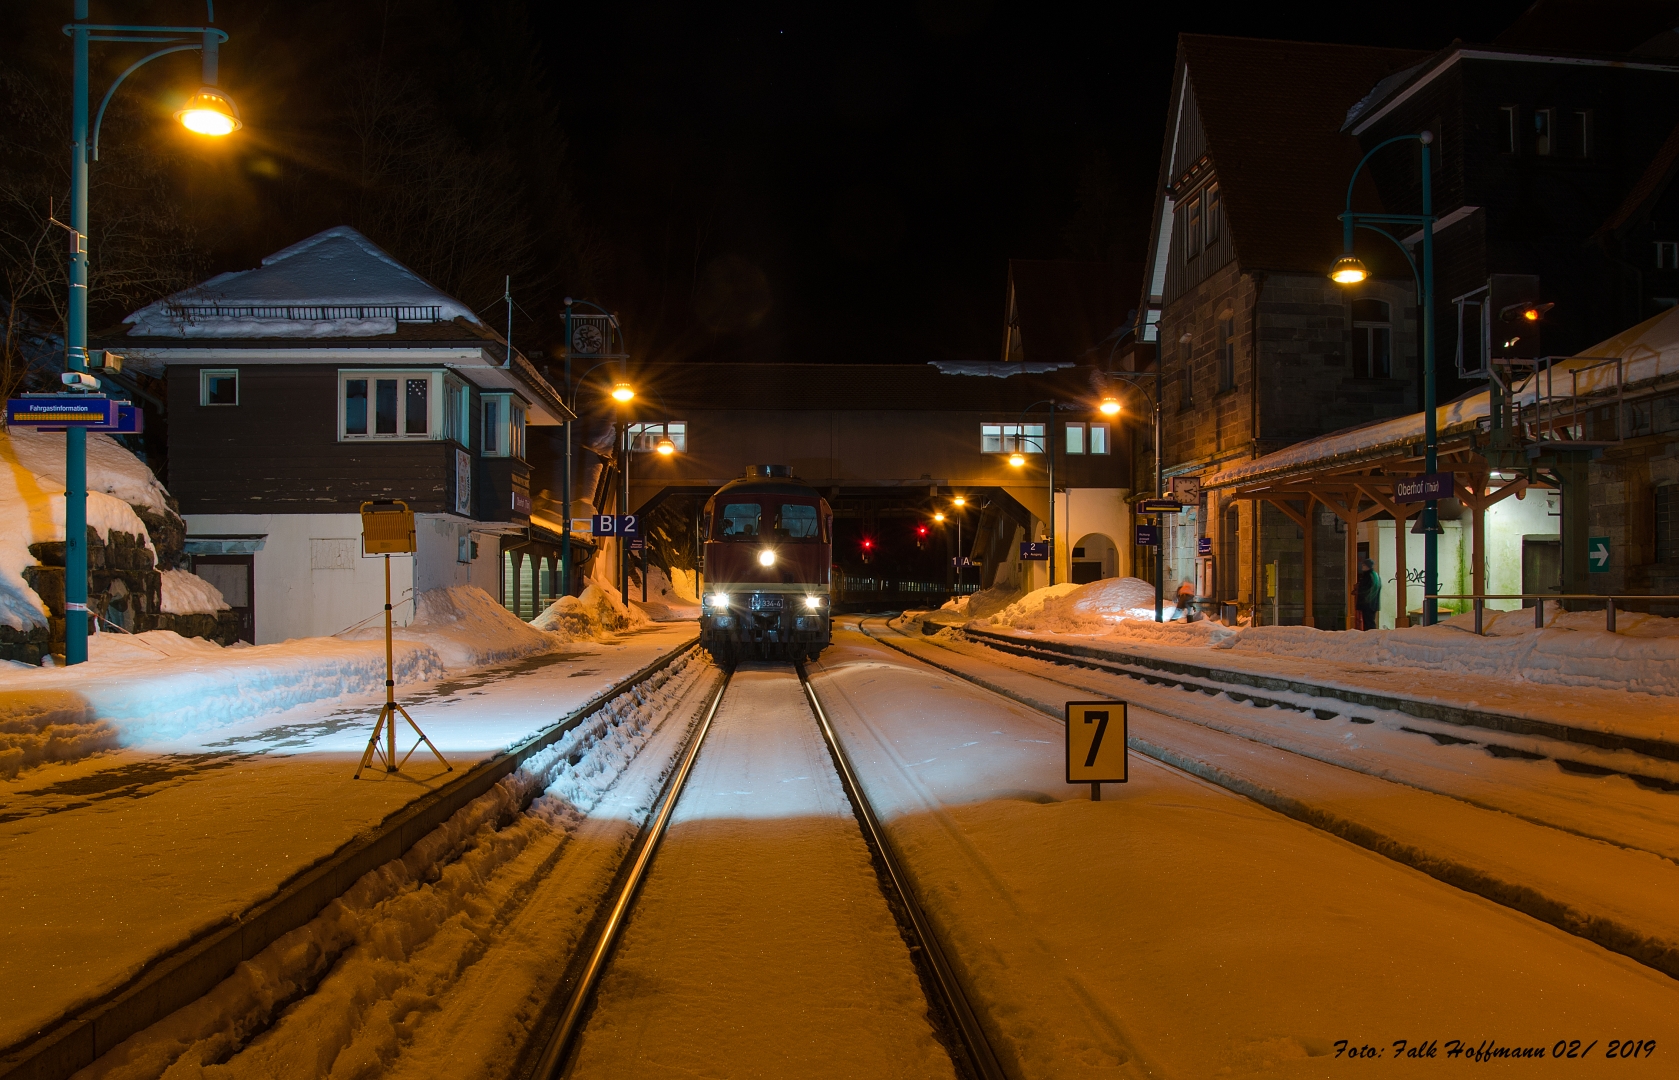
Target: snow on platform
(122,857)
(1178,929)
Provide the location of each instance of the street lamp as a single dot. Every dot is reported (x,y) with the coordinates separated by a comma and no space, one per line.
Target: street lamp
(1017,459)
(1348,270)
(209,112)
(1133,378)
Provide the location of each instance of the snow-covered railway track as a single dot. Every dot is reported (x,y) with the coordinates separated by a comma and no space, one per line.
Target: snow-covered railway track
(776,932)
(1550,846)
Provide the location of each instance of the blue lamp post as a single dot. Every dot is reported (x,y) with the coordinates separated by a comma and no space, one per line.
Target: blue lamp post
(1348,270)
(590,337)
(208,112)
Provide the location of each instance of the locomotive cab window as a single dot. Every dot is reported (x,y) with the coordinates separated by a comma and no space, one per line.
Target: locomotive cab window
(797,521)
(739,521)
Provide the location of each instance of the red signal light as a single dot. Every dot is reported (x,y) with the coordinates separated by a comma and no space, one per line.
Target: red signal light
(921,530)
(868,543)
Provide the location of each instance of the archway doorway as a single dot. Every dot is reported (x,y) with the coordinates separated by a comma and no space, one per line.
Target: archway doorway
(1095,557)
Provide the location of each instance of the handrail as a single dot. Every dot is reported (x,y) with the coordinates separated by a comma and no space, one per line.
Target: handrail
(1480,599)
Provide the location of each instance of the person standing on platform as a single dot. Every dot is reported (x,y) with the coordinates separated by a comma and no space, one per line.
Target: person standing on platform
(1367,595)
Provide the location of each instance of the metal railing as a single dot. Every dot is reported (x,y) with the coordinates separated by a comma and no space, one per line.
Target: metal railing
(420,313)
(1479,603)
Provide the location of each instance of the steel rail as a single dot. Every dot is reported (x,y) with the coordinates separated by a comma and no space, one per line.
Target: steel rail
(976,1046)
(557,1051)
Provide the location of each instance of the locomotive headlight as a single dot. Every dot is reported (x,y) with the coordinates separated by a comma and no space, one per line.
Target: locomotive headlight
(720,601)
(766,557)
(813,602)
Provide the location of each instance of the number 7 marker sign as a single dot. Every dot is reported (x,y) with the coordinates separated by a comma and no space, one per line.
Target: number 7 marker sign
(1096,733)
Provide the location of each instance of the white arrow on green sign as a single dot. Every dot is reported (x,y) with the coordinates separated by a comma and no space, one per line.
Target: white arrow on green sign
(1597,555)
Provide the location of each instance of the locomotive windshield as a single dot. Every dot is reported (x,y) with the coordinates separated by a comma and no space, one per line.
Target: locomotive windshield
(786,521)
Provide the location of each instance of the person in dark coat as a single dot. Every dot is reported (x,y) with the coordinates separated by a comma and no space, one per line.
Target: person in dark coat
(1367,595)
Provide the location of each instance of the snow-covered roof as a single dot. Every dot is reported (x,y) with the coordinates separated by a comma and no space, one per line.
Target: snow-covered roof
(335,284)
(1648,351)
(999,369)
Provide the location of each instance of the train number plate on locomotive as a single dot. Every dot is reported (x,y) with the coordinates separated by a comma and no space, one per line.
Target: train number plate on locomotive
(766,603)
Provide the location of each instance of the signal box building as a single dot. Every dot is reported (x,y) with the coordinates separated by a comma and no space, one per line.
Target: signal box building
(329,376)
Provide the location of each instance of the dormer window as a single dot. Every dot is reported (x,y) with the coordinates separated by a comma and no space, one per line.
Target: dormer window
(504,426)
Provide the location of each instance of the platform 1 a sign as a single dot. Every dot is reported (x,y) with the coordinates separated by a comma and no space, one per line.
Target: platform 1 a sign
(1096,733)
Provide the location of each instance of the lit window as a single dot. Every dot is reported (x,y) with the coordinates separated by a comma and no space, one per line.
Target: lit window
(218,387)
(1075,438)
(388,404)
(1372,344)
(644,438)
(1098,438)
(1006,438)
(504,426)
(1542,124)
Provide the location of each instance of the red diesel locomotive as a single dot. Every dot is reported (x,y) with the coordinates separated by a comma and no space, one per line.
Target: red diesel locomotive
(769,545)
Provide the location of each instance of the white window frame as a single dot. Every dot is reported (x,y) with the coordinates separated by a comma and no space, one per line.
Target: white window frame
(204,387)
(512,416)
(1371,326)
(434,403)
(644,436)
(456,424)
(1031,438)
(1510,136)
(1106,439)
(1075,428)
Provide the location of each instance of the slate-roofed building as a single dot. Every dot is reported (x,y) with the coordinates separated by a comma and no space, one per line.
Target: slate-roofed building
(326,377)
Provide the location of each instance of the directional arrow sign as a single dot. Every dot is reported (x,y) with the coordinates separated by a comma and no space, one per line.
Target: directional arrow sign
(1597,555)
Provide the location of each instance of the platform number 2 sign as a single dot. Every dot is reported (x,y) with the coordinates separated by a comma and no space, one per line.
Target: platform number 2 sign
(1096,732)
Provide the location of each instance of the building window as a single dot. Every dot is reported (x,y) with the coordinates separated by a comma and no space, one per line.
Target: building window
(387,405)
(1226,352)
(1543,121)
(1099,438)
(1582,133)
(1508,116)
(1186,375)
(1075,438)
(504,426)
(645,437)
(457,411)
(1211,224)
(1006,438)
(1667,523)
(1192,229)
(1372,340)
(218,387)
(1667,254)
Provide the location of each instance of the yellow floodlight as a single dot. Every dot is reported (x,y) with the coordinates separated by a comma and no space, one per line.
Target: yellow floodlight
(210,112)
(1348,270)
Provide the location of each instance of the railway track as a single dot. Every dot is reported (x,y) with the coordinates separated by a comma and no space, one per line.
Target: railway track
(955,1023)
(1289,761)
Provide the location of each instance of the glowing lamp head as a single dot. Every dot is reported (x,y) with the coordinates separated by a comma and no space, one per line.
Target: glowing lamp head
(813,602)
(1530,314)
(720,600)
(665,447)
(1017,459)
(623,392)
(1348,270)
(766,557)
(1110,406)
(960,501)
(210,112)
(938,517)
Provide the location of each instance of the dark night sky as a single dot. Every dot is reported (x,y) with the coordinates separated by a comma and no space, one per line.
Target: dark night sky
(806,182)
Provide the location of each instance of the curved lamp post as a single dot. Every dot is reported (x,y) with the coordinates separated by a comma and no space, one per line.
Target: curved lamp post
(208,112)
(1349,270)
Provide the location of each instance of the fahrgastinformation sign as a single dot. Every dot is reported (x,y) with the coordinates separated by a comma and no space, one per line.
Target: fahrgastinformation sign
(61,410)
(1096,733)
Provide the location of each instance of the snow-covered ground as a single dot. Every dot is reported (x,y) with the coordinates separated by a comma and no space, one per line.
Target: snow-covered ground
(1179,929)
(116,858)
(760,944)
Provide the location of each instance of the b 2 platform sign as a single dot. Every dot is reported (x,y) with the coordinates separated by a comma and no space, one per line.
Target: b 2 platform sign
(1096,732)
(615,525)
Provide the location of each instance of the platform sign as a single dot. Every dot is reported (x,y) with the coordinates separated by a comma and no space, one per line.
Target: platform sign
(638,544)
(1203,545)
(1422,488)
(1597,554)
(615,525)
(1034,551)
(1148,536)
(1096,733)
(1160,506)
(61,410)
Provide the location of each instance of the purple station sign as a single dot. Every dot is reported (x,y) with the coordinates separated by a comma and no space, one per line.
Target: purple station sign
(1423,488)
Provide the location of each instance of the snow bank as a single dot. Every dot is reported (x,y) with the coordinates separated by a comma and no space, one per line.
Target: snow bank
(186,593)
(48,725)
(467,628)
(667,600)
(32,507)
(1114,607)
(590,616)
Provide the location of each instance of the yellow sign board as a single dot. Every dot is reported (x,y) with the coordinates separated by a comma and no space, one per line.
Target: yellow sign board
(387,529)
(1096,733)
